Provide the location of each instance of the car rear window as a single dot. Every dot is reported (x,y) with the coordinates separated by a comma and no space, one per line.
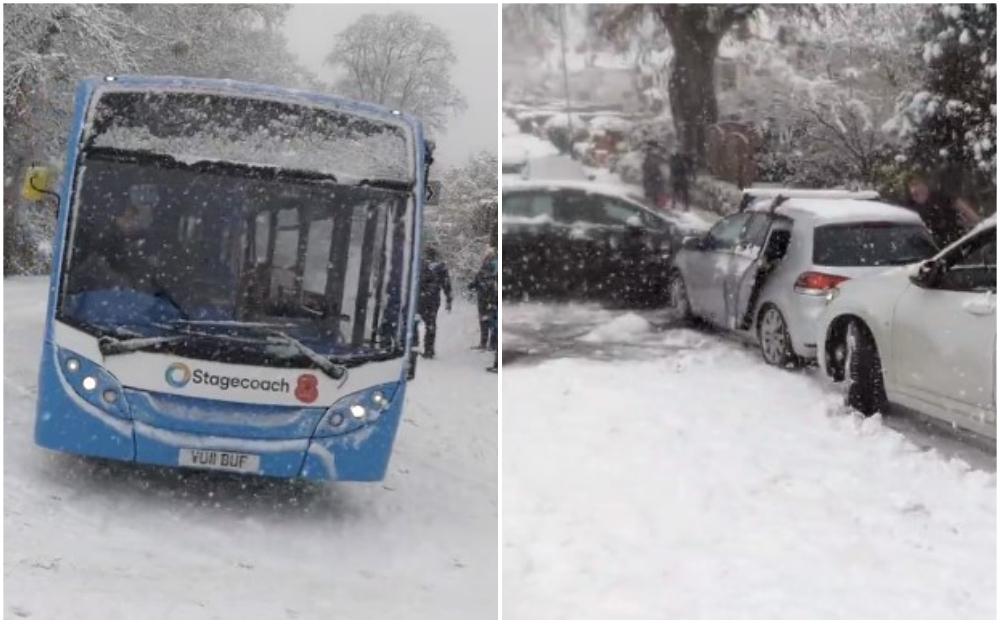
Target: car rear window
(871,244)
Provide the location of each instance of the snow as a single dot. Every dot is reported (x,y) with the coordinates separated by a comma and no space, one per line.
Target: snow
(684,478)
(87,539)
(618,329)
(382,155)
(523,147)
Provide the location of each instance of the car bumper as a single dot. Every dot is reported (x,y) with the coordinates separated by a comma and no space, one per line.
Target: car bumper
(803,318)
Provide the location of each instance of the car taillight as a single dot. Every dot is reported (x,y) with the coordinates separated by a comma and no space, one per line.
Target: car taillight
(816,283)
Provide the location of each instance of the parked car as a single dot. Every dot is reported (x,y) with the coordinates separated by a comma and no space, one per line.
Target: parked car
(565,239)
(764,272)
(922,336)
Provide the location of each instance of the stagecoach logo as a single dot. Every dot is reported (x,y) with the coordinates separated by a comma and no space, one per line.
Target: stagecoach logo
(178,375)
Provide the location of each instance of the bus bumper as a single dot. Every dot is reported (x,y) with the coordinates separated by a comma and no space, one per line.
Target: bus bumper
(68,423)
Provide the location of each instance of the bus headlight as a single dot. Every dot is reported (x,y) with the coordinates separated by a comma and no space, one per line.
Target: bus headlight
(354,411)
(92,383)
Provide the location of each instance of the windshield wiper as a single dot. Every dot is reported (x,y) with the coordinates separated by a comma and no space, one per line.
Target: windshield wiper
(109,345)
(328,365)
(332,369)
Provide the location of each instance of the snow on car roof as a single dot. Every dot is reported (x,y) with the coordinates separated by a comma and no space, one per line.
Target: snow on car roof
(764,191)
(828,210)
(577,185)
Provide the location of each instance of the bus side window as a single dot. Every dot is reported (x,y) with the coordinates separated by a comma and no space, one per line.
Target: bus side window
(317,248)
(286,241)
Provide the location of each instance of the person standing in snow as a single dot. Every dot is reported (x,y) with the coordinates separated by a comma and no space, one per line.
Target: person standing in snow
(652,174)
(434,280)
(681,174)
(481,286)
(948,219)
(493,305)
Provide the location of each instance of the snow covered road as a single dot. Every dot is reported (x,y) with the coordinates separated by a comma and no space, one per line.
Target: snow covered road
(656,471)
(98,540)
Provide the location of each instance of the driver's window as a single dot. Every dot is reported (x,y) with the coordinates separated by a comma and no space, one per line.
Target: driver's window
(725,233)
(620,213)
(972,267)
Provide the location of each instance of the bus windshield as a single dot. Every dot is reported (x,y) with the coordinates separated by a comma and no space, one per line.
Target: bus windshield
(222,251)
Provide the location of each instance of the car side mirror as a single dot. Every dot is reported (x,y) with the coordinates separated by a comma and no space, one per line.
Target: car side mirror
(777,245)
(927,275)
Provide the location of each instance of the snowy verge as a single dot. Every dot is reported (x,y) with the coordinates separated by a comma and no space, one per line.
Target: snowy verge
(703,483)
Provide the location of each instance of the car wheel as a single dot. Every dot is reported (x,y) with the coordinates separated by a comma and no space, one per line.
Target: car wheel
(679,303)
(865,381)
(775,343)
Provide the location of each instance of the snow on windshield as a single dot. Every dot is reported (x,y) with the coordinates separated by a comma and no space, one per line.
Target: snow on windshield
(198,127)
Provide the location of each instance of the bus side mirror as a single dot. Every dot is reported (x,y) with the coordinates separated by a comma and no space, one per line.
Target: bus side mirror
(38,183)
(433,197)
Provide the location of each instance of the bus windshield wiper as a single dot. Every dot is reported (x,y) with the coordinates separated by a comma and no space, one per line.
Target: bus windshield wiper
(109,345)
(332,368)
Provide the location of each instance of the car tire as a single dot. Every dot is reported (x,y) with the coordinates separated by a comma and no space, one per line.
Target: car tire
(774,340)
(863,370)
(678,302)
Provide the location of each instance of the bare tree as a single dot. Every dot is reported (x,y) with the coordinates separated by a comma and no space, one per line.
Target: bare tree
(399,60)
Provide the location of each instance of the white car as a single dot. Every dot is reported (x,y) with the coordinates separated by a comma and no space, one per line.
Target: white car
(922,336)
(764,272)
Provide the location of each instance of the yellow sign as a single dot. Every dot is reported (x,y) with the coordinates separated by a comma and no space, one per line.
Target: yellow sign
(38,181)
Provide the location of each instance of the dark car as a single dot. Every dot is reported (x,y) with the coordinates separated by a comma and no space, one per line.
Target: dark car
(582,241)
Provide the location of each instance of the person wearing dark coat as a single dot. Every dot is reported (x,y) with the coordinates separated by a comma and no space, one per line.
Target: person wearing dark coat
(947,219)
(481,285)
(681,173)
(493,305)
(652,174)
(434,280)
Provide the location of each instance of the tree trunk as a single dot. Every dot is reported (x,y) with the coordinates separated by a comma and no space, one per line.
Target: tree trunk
(692,96)
(695,33)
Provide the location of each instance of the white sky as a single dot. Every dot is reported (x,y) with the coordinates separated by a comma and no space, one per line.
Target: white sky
(473,31)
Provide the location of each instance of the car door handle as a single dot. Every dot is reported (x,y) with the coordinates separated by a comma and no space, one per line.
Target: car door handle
(980,307)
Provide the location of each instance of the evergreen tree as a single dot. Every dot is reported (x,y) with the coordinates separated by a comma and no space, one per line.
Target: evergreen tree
(949,126)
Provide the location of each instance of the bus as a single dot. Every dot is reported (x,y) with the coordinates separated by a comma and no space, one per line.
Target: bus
(234,279)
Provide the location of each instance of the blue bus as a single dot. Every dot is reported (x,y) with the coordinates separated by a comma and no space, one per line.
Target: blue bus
(234,279)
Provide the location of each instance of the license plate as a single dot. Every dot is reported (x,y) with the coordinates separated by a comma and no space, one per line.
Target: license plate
(219,460)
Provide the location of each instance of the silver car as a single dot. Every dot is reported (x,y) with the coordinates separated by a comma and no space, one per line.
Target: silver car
(765,271)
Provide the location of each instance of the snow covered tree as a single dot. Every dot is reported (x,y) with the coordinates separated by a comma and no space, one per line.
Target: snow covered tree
(400,61)
(949,126)
(48,48)
(463,225)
